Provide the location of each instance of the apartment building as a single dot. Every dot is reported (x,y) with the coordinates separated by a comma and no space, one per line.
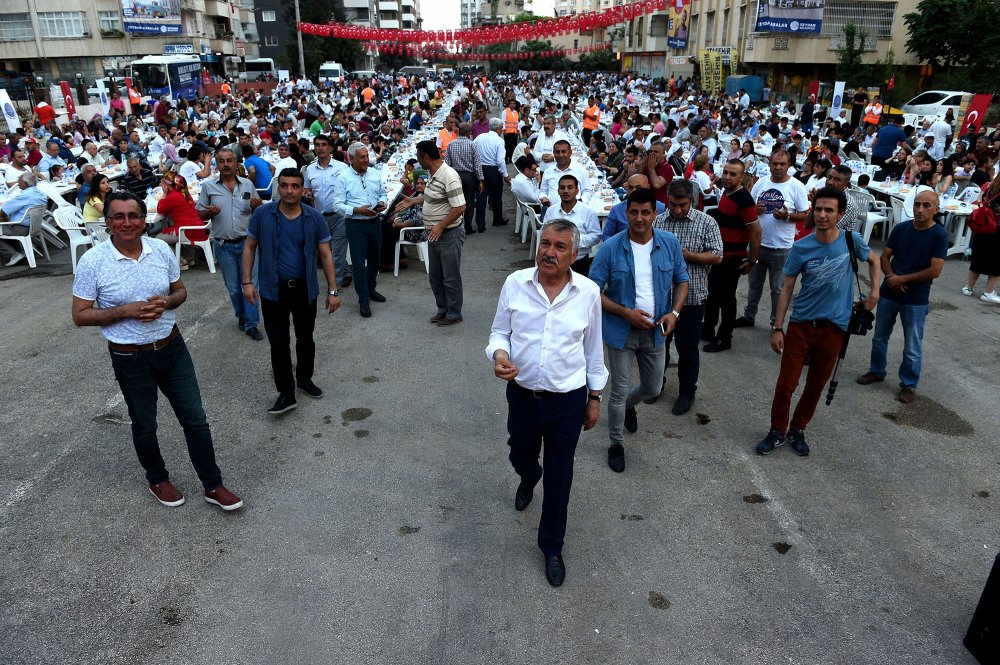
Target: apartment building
(478,13)
(92,37)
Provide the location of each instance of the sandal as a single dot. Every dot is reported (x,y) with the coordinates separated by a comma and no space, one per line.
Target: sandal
(185,265)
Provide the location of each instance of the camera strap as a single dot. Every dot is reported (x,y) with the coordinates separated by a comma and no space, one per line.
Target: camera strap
(849,239)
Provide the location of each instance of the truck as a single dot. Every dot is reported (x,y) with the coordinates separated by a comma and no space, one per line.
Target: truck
(754,85)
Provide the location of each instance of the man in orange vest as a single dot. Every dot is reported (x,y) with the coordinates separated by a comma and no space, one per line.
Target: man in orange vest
(447,134)
(873,112)
(511,128)
(591,119)
(226,89)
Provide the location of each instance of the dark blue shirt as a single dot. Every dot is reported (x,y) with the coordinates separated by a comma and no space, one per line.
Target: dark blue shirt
(912,251)
(887,139)
(291,254)
(264,229)
(415,121)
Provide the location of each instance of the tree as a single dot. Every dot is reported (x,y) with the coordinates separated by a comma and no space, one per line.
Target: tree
(955,37)
(597,61)
(315,48)
(850,67)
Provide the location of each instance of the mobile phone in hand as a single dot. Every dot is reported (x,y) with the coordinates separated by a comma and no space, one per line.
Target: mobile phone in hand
(663,326)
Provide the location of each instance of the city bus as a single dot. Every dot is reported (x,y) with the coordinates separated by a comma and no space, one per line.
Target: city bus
(177,76)
(259,69)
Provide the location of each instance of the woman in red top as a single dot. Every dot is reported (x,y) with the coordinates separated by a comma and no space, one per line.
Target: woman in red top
(177,209)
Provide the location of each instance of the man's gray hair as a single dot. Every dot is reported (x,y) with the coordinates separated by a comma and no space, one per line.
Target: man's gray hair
(28,178)
(229,150)
(550,117)
(354,147)
(561,226)
(465,129)
(495,124)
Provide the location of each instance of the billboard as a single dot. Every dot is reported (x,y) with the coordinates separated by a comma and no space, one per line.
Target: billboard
(152,17)
(678,23)
(802,16)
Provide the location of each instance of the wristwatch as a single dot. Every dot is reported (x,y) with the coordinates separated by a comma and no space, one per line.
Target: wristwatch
(676,314)
(335,292)
(775,329)
(596,398)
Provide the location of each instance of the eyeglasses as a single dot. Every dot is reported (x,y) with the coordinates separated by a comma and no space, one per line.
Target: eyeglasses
(121,217)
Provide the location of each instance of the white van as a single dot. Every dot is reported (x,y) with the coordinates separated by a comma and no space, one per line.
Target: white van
(331,72)
(934,102)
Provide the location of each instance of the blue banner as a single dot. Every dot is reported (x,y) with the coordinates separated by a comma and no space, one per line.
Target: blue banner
(801,16)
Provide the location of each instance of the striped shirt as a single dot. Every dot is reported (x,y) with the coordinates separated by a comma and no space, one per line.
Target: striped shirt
(736,212)
(442,194)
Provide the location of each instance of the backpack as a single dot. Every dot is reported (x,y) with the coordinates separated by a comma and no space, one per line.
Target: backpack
(983,219)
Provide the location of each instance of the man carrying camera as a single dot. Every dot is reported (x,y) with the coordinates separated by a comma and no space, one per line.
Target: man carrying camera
(821,316)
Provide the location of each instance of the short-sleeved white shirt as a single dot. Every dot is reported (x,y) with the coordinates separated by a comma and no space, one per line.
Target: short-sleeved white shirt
(111,279)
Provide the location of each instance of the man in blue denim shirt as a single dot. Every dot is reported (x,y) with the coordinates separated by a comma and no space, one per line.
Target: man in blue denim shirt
(289,235)
(644,283)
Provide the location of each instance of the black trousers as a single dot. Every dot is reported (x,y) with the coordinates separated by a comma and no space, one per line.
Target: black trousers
(585,135)
(510,142)
(293,301)
(555,421)
(470,189)
(582,266)
(492,191)
(723,280)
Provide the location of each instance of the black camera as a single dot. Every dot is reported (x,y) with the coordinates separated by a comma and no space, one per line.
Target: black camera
(861,320)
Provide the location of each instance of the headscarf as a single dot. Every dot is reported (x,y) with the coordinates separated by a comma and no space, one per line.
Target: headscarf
(180,184)
(170,152)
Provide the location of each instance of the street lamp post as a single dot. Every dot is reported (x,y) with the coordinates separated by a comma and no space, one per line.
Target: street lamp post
(298,33)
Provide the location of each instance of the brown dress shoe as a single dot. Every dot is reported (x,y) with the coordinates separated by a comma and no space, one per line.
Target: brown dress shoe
(870,377)
(167,494)
(906,395)
(223,498)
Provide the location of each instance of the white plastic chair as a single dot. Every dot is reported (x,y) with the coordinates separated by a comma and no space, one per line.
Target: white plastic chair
(205,245)
(421,248)
(898,211)
(51,191)
(872,212)
(34,215)
(535,224)
(970,194)
(518,215)
(71,221)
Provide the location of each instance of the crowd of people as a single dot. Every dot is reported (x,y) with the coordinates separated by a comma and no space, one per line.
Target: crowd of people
(294,179)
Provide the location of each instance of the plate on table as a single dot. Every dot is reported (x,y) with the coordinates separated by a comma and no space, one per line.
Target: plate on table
(904,190)
(951,207)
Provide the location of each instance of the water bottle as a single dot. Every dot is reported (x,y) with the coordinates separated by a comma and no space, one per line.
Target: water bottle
(952,191)
(149,197)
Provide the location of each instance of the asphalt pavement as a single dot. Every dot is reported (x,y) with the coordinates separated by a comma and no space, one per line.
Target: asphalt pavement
(379,525)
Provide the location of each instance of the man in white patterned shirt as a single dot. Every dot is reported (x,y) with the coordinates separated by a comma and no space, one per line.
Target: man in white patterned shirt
(701,242)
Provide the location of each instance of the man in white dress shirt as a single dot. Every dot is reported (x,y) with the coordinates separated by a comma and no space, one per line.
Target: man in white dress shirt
(546,343)
(491,150)
(546,142)
(580,214)
(564,165)
(525,183)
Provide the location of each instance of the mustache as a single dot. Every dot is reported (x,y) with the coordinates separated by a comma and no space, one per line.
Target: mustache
(549,259)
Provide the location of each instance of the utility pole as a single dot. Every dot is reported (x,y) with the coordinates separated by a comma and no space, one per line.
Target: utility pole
(298,33)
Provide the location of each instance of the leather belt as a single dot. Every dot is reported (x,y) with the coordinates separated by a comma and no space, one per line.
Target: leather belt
(540,394)
(230,241)
(817,323)
(292,283)
(155,346)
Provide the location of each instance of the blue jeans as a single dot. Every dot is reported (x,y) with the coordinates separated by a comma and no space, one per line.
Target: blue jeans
(338,245)
(170,370)
(230,257)
(365,241)
(912,317)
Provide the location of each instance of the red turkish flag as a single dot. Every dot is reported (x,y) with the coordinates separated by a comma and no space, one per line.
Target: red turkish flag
(67,95)
(976,113)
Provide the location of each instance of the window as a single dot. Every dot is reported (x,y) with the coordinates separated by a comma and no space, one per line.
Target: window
(742,18)
(576,43)
(270,40)
(876,17)
(927,98)
(725,28)
(55,25)
(709,28)
(16,27)
(268,16)
(109,21)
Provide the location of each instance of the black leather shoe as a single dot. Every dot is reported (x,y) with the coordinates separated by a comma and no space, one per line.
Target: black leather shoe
(654,398)
(347,282)
(631,421)
(437,317)
(470,232)
(523,496)
(254,334)
(376,296)
(449,321)
(717,345)
(283,404)
(616,457)
(555,569)
(311,389)
(743,322)
(366,311)
(682,405)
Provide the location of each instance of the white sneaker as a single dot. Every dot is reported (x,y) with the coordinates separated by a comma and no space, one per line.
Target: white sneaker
(966,291)
(17,258)
(990,296)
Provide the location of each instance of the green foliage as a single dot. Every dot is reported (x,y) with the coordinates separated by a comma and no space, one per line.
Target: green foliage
(555,63)
(957,39)
(315,48)
(524,17)
(597,61)
(850,67)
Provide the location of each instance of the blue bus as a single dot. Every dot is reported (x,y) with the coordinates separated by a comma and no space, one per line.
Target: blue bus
(175,75)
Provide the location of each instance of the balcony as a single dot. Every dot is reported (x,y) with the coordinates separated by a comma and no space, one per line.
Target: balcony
(224,46)
(390,6)
(216,8)
(356,4)
(409,18)
(408,4)
(193,5)
(389,25)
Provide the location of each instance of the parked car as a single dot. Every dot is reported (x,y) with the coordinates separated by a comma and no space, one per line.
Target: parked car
(934,102)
